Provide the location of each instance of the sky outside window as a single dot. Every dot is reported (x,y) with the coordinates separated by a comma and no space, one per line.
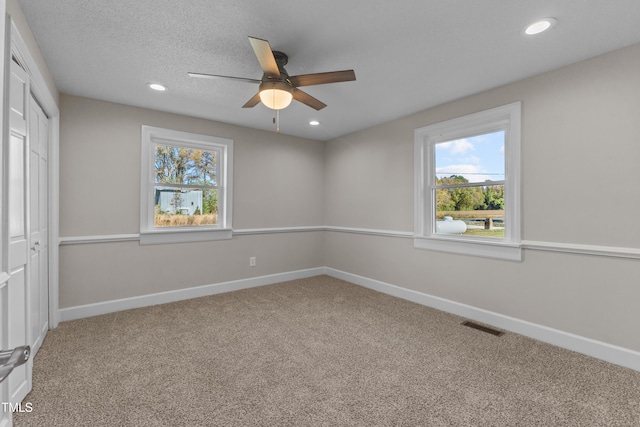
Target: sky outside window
(478,158)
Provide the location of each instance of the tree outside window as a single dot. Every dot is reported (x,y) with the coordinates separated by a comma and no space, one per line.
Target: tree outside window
(186,192)
(467,184)
(186,187)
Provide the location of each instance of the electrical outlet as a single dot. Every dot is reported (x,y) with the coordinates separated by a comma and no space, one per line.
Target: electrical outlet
(252,261)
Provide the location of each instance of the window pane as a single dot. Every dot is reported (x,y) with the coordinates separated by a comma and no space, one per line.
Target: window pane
(175,207)
(476,159)
(181,165)
(470,211)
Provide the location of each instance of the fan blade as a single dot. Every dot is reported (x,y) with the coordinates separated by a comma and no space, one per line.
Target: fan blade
(216,76)
(323,78)
(265,57)
(253,101)
(307,99)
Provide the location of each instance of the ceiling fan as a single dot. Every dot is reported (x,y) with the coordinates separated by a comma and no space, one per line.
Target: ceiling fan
(277,88)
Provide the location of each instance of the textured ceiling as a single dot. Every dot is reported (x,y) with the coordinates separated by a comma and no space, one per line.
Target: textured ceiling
(408,55)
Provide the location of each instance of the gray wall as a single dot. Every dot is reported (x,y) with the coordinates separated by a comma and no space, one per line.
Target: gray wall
(278,182)
(580,185)
(581,180)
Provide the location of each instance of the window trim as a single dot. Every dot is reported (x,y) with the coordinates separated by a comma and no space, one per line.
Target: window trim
(150,234)
(506,117)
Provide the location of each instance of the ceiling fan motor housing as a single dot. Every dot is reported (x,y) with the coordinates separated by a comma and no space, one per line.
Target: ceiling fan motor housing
(281,58)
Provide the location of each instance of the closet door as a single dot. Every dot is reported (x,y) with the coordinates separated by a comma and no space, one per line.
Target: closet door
(38,220)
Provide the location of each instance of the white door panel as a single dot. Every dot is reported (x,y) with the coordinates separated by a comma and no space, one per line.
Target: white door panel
(16,186)
(5,418)
(38,263)
(16,296)
(43,281)
(17,100)
(20,379)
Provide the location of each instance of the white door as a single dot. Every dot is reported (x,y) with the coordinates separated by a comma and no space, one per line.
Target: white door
(39,257)
(15,307)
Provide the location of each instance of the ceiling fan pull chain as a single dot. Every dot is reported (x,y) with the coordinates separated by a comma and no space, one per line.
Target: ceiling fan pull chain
(277,121)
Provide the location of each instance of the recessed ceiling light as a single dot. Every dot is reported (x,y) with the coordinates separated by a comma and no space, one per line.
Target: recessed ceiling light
(540,26)
(157,86)
(314,123)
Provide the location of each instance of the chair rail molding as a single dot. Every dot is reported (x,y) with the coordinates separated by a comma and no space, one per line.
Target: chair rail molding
(571,248)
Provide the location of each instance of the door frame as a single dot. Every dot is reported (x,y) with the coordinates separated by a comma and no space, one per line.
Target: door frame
(45,98)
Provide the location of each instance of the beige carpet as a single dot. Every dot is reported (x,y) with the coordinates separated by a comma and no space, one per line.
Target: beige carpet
(314,352)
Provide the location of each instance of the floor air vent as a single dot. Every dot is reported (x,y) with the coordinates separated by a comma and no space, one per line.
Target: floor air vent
(483,328)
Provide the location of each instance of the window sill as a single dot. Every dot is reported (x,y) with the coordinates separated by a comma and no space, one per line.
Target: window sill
(184,235)
(460,246)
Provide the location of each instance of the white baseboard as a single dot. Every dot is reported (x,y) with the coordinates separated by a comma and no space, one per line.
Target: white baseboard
(598,349)
(90,310)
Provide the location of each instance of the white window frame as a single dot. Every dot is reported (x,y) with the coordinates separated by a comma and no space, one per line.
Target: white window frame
(149,234)
(507,118)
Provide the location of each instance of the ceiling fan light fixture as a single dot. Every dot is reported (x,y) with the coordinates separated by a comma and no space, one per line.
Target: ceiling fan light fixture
(276,94)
